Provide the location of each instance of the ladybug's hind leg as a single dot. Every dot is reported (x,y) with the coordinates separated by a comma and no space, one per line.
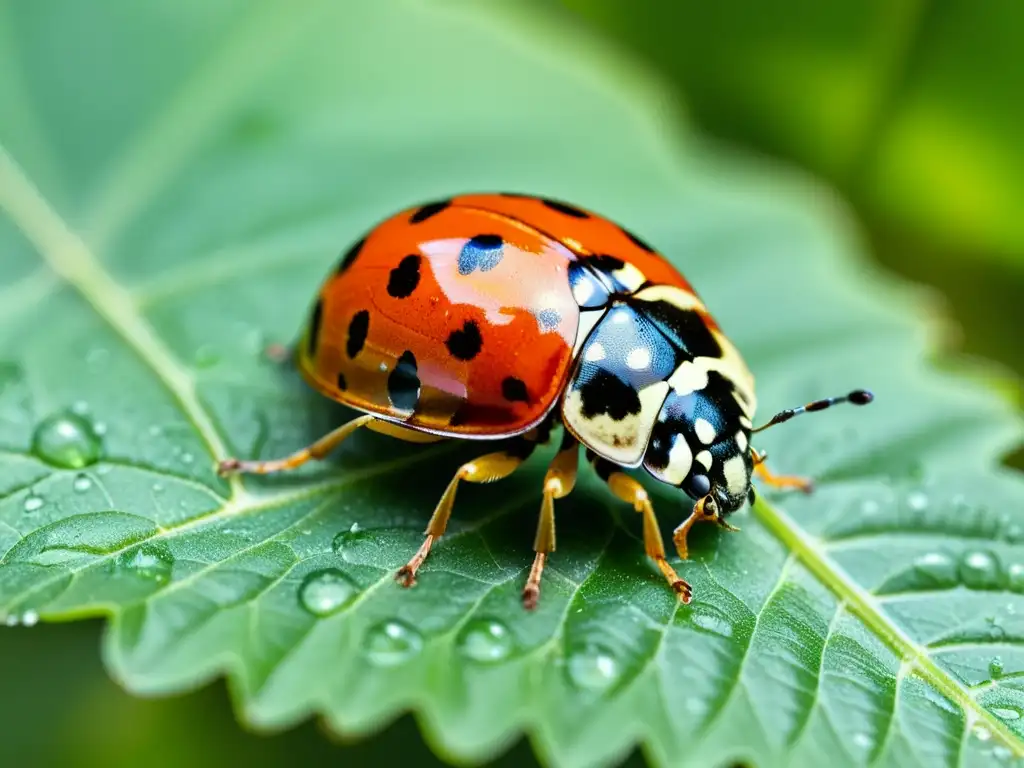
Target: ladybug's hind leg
(768,477)
(558,483)
(317,450)
(486,469)
(630,490)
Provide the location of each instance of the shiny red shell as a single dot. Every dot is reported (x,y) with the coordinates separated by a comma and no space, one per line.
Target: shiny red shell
(457,317)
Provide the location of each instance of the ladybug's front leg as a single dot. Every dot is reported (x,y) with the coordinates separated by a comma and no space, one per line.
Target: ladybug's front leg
(629,489)
(317,450)
(779,481)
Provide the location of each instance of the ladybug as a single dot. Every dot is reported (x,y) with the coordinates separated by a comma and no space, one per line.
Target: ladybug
(497,317)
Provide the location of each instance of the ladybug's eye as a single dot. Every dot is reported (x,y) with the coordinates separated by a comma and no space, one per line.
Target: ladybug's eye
(697,486)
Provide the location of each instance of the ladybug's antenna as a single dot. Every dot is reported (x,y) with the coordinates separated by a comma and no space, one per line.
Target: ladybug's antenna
(857,397)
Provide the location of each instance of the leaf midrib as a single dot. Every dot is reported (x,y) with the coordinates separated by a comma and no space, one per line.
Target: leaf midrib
(71,259)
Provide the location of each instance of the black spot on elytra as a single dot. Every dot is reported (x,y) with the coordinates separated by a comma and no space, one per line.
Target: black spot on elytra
(357,329)
(342,384)
(404,383)
(429,210)
(685,328)
(481,252)
(514,390)
(465,342)
(606,393)
(350,255)
(636,240)
(568,210)
(405,277)
(548,319)
(314,328)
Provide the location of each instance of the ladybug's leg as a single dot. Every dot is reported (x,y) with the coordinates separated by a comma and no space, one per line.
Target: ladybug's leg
(629,490)
(486,469)
(558,482)
(317,450)
(779,481)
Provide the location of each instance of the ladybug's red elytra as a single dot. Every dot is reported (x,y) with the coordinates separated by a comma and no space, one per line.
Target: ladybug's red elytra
(499,317)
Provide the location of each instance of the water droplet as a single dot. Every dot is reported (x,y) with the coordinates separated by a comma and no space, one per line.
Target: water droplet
(1006,713)
(347,541)
(158,488)
(917,501)
(870,507)
(155,430)
(100,428)
(80,407)
(187,457)
(33,503)
(695,707)
(862,740)
(485,640)
(11,620)
(153,562)
(1015,577)
(206,357)
(593,668)
(391,643)
(981,733)
(939,569)
(82,483)
(324,592)
(995,667)
(354,528)
(31,618)
(96,356)
(66,440)
(710,619)
(980,570)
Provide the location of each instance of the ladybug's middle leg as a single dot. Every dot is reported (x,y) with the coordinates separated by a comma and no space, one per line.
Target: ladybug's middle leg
(558,483)
(317,450)
(630,490)
(486,469)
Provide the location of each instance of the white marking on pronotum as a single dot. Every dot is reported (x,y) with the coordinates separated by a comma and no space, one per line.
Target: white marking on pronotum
(638,358)
(704,457)
(705,431)
(594,353)
(741,440)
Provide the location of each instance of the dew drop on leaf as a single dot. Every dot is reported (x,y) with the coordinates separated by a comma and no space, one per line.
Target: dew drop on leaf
(862,740)
(980,570)
(981,733)
(324,592)
(33,503)
(391,643)
(150,561)
(593,668)
(485,640)
(31,618)
(710,619)
(939,568)
(918,501)
(66,440)
(82,483)
(995,667)
(80,407)
(1006,713)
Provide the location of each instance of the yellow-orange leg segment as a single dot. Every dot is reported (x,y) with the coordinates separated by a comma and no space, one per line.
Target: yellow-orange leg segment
(779,481)
(317,450)
(486,469)
(558,483)
(629,490)
(698,515)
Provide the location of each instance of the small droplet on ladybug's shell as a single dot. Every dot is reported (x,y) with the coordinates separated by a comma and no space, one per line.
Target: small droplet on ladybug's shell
(860,397)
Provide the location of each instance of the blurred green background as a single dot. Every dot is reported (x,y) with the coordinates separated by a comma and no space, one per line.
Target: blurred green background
(913,111)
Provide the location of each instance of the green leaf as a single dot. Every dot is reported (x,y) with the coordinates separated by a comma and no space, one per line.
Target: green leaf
(911,107)
(176,182)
